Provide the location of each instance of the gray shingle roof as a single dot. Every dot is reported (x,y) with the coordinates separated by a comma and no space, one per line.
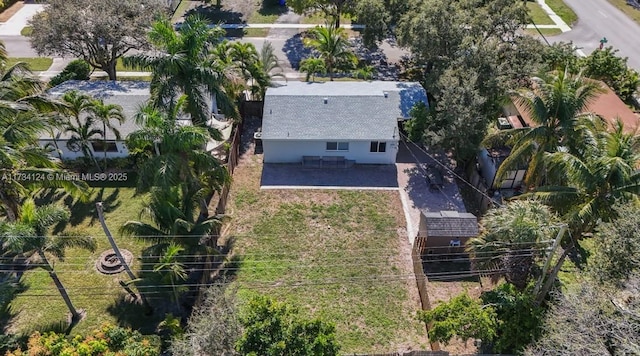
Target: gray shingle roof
(128,94)
(451,224)
(338,110)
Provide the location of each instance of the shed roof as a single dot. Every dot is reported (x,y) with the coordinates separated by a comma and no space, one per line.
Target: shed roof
(338,110)
(451,224)
(130,95)
(606,105)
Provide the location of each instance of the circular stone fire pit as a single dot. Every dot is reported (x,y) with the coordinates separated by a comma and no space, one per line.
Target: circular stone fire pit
(108,262)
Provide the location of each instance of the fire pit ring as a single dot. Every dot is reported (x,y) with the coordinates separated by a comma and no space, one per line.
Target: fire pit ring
(108,262)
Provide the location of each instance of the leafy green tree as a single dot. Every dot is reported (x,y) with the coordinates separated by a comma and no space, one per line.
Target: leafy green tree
(29,238)
(333,47)
(519,318)
(617,247)
(556,105)
(560,56)
(364,72)
(181,65)
(312,66)
(417,125)
(605,65)
(514,238)
(78,69)
(104,113)
(274,328)
(461,317)
(333,9)
(102,32)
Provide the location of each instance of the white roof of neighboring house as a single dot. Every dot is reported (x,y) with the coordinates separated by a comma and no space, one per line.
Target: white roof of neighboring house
(338,110)
(130,95)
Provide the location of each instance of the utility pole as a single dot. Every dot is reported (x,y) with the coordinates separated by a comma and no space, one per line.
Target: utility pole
(549,257)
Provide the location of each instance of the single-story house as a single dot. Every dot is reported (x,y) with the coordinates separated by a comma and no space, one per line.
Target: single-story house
(445,231)
(606,105)
(130,95)
(354,121)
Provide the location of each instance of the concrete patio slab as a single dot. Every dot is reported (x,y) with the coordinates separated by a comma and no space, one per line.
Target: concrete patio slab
(294,176)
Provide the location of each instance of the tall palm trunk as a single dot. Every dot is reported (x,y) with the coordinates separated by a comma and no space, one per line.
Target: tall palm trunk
(11,206)
(75,316)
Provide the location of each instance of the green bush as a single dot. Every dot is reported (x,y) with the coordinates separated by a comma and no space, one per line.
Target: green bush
(76,70)
(108,340)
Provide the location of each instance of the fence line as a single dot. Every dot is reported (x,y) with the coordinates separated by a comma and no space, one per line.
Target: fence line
(421,281)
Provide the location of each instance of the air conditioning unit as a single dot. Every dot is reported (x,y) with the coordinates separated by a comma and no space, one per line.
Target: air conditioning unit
(504,124)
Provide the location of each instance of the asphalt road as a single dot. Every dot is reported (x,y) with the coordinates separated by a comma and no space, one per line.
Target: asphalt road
(18,46)
(598,19)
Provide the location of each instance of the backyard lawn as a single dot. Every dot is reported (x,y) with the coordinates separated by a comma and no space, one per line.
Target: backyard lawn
(41,303)
(538,16)
(340,255)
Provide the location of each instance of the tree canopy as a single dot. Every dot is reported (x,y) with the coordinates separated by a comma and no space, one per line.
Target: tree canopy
(98,31)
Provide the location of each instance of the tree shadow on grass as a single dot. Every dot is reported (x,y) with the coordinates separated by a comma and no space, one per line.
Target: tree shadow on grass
(295,50)
(217,16)
(135,315)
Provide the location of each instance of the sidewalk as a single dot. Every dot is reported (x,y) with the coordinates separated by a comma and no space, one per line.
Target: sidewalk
(19,20)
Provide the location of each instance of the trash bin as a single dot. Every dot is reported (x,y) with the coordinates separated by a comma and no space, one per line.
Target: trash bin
(282,2)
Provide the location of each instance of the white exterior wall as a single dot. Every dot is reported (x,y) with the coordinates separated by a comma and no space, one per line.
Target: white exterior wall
(68,154)
(291,151)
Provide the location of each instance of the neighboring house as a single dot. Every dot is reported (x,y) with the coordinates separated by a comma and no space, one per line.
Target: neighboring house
(606,105)
(129,94)
(444,229)
(353,121)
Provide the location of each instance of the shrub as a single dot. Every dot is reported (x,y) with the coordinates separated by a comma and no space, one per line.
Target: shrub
(107,340)
(77,69)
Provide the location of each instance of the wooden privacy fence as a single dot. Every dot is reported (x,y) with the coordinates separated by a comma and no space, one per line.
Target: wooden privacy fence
(421,280)
(482,192)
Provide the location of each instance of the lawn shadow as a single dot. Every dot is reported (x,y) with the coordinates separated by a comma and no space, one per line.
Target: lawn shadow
(295,50)
(217,16)
(135,315)
(272,7)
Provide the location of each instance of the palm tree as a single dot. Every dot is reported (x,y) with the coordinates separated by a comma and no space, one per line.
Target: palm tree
(23,116)
(83,133)
(364,72)
(172,270)
(512,239)
(29,238)
(332,46)
(181,65)
(174,217)
(312,66)
(104,113)
(604,174)
(556,105)
(175,155)
(268,68)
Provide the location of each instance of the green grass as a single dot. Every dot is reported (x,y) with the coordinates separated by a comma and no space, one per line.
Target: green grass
(26,31)
(322,251)
(545,31)
(36,64)
(634,14)
(88,289)
(538,16)
(121,68)
(562,10)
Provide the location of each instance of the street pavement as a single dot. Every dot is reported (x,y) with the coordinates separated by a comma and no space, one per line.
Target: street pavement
(598,19)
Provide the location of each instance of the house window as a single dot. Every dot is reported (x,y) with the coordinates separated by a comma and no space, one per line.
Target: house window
(99,146)
(377,146)
(337,146)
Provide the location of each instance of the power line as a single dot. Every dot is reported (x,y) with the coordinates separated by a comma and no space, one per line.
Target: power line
(448,169)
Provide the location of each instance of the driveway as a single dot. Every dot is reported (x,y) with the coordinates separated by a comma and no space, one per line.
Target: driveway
(19,20)
(414,189)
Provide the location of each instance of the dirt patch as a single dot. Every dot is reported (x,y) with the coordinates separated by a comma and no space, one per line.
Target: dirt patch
(8,13)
